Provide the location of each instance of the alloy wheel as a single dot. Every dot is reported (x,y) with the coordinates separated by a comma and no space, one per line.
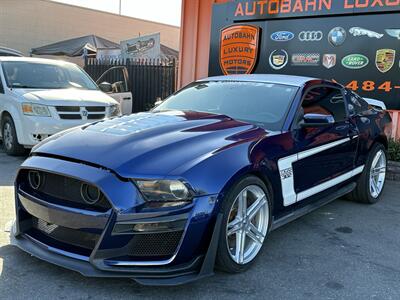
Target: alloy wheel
(377,174)
(8,136)
(247,224)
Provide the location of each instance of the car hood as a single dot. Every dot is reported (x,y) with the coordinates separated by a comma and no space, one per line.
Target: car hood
(150,144)
(65,97)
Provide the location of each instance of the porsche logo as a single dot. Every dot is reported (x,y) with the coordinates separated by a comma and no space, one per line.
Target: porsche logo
(239,49)
(385,59)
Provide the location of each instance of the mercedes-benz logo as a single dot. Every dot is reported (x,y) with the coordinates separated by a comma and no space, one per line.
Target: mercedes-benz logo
(311,36)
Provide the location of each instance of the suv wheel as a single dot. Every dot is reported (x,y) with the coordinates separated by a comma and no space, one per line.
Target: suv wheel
(10,141)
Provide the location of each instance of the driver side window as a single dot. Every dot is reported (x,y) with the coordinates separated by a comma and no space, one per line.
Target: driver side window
(325,101)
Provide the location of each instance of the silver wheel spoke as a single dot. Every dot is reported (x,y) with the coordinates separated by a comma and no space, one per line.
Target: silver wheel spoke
(240,243)
(374,186)
(378,170)
(255,234)
(255,207)
(242,204)
(233,226)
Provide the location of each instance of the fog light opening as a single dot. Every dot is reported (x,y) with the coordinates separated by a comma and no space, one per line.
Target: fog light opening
(35,179)
(90,194)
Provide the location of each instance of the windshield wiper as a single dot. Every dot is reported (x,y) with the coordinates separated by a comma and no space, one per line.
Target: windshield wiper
(23,87)
(38,87)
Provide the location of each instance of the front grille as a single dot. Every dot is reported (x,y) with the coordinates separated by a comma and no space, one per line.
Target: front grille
(70,117)
(96,117)
(96,108)
(155,244)
(75,112)
(68,108)
(66,235)
(61,190)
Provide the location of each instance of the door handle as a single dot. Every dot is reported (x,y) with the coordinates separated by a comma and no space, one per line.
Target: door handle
(126,98)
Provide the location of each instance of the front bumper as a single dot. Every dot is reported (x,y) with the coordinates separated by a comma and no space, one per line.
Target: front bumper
(193,258)
(32,130)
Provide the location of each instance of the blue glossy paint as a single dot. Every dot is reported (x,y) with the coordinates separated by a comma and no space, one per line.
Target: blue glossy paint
(208,152)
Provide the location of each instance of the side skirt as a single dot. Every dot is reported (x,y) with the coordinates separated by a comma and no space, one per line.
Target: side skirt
(276,223)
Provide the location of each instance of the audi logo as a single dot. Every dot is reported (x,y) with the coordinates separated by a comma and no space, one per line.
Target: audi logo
(311,36)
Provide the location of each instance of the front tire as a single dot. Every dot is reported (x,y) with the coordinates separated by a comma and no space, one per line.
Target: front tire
(371,183)
(246,221)
(9,135)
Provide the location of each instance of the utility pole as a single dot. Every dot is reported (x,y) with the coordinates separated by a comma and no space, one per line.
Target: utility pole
(120,7)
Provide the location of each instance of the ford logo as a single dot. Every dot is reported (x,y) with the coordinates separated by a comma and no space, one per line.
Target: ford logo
(282,36)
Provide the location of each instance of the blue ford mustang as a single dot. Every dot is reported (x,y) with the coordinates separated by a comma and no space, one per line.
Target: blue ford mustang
(163,196)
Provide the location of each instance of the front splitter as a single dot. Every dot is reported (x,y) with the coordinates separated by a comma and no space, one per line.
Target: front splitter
(199,268)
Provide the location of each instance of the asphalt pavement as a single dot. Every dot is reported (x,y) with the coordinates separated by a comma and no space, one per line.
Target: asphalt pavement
(344,250)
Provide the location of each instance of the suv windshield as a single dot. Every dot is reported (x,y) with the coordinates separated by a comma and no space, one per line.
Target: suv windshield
(262,104)
(21,74)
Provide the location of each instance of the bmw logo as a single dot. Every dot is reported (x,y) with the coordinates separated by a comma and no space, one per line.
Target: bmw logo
(337,36)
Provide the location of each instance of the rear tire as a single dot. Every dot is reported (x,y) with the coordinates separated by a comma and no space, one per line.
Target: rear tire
(371,183)
(245,222)
(9,136)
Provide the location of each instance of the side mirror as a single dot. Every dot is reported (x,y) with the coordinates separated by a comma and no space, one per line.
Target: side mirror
(105,87)
(317,120)
(158,101)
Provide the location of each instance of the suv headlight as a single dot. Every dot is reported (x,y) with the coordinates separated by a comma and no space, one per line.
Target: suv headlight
(114,110)
(164,190)
(31,109)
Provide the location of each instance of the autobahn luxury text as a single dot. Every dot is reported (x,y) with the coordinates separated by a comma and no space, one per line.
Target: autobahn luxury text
(273,7)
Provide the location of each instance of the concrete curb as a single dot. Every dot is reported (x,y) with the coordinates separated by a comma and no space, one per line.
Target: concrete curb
(393,171)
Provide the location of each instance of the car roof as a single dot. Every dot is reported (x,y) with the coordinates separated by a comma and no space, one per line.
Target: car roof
(267,78)
(32,59)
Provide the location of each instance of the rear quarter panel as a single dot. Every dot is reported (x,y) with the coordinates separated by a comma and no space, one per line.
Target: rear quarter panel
(374,127)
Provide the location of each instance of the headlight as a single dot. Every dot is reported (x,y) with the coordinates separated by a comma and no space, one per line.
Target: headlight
(114,110)
(163,190)
(31,109)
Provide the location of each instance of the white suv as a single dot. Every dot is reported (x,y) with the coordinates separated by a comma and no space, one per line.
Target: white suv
(40,97)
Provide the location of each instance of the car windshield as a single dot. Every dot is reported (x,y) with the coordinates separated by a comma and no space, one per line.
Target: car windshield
(33,75)
(262,104)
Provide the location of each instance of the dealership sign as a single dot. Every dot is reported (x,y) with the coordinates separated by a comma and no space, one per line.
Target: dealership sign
(271,9)
(239,49)
(354,42)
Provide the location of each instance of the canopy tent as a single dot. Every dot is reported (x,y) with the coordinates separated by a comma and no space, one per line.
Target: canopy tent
(76,47)
(167,52)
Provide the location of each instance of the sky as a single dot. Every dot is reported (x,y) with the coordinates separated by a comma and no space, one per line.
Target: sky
(163,11)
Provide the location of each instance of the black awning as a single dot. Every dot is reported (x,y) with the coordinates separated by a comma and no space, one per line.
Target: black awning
(76,46)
